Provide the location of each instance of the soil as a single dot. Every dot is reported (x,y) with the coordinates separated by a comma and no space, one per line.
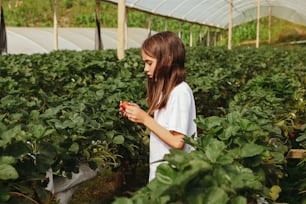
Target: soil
(103,189)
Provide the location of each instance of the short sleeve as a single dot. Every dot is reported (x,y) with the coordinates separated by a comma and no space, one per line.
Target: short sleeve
(181,109)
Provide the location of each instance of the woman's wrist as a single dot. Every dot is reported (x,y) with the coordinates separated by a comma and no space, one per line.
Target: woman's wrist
(146,119)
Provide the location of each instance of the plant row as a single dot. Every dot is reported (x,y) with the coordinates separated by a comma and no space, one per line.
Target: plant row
(59,110)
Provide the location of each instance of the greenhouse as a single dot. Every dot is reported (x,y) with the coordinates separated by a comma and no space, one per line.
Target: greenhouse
(82,112)
(215,14)
(22,40)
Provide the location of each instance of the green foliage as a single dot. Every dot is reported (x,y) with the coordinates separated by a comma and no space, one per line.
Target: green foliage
(62,113)
(242,96)
(232,159)
(60,109)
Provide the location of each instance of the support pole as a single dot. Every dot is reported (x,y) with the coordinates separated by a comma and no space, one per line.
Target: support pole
(166,24)
(0,5)
(55,26)
(180,29)
(215,38)
(121,29)
(230,25)
(3,36)
(98,38)
(126,29)
(191,36)
(200,35)
(258,23)
(208,37)
(149,26)
(270,14)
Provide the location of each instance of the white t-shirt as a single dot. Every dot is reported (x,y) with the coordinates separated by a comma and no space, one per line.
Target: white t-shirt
(178,115)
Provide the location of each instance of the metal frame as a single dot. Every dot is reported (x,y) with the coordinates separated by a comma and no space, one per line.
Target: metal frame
(214,13)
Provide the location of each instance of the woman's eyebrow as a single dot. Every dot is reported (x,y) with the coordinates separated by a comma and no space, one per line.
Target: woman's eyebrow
(147,60)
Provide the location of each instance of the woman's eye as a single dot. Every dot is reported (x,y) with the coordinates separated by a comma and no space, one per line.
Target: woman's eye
(148,62)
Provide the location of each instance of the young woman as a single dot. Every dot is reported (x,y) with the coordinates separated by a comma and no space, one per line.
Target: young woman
(171,104)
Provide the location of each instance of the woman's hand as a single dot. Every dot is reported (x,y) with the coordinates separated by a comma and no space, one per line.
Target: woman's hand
(135,114)
(122,107)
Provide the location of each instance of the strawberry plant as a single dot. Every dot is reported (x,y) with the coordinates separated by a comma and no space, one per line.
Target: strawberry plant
(60,114)
(232,163)
(60,109)
(239,156)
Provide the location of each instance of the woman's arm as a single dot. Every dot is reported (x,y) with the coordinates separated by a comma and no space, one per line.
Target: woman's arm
(172,138)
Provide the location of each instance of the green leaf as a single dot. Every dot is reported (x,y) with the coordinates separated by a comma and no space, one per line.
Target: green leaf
(216,195)
(239,200)
(214,121)
(165,174)
(77,120)
(46,157)
(7,160)
(12,134)
(274,192)
(278,157)
(64,125)
(8,172)
(74,148)
(194,167)
(108,124)
(301,138)
(250,150)
(34,115)
(16,116)
(214,150)
(4,195)
(119,139)
(176,158)
(196,196)
(232,117)
(225,159)
(38,130)
(230,131)
(242,177)
(110,134)
(123,201)
(51,112)
(100,93)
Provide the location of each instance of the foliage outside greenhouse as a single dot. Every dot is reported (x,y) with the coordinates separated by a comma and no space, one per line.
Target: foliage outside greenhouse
(59,110)
(81,13)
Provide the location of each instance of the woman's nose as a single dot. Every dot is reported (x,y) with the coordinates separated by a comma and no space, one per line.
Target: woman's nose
(146,69)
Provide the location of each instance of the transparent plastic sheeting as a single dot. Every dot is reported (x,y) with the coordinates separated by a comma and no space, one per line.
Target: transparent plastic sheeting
(215,13)
(24,40)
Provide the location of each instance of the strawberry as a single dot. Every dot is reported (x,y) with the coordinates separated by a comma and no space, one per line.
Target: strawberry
(292,135)
(124,104)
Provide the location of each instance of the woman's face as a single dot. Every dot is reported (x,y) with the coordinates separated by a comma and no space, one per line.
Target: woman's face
(150,64)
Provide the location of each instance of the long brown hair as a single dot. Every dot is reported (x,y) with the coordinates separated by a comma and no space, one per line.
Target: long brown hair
(169,52)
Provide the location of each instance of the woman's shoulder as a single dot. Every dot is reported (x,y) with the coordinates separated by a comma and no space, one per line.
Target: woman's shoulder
(182,89)
(182,86)
(182,93)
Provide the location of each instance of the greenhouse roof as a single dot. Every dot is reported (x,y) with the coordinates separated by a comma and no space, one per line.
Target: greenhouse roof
(24,40)
(215,13)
